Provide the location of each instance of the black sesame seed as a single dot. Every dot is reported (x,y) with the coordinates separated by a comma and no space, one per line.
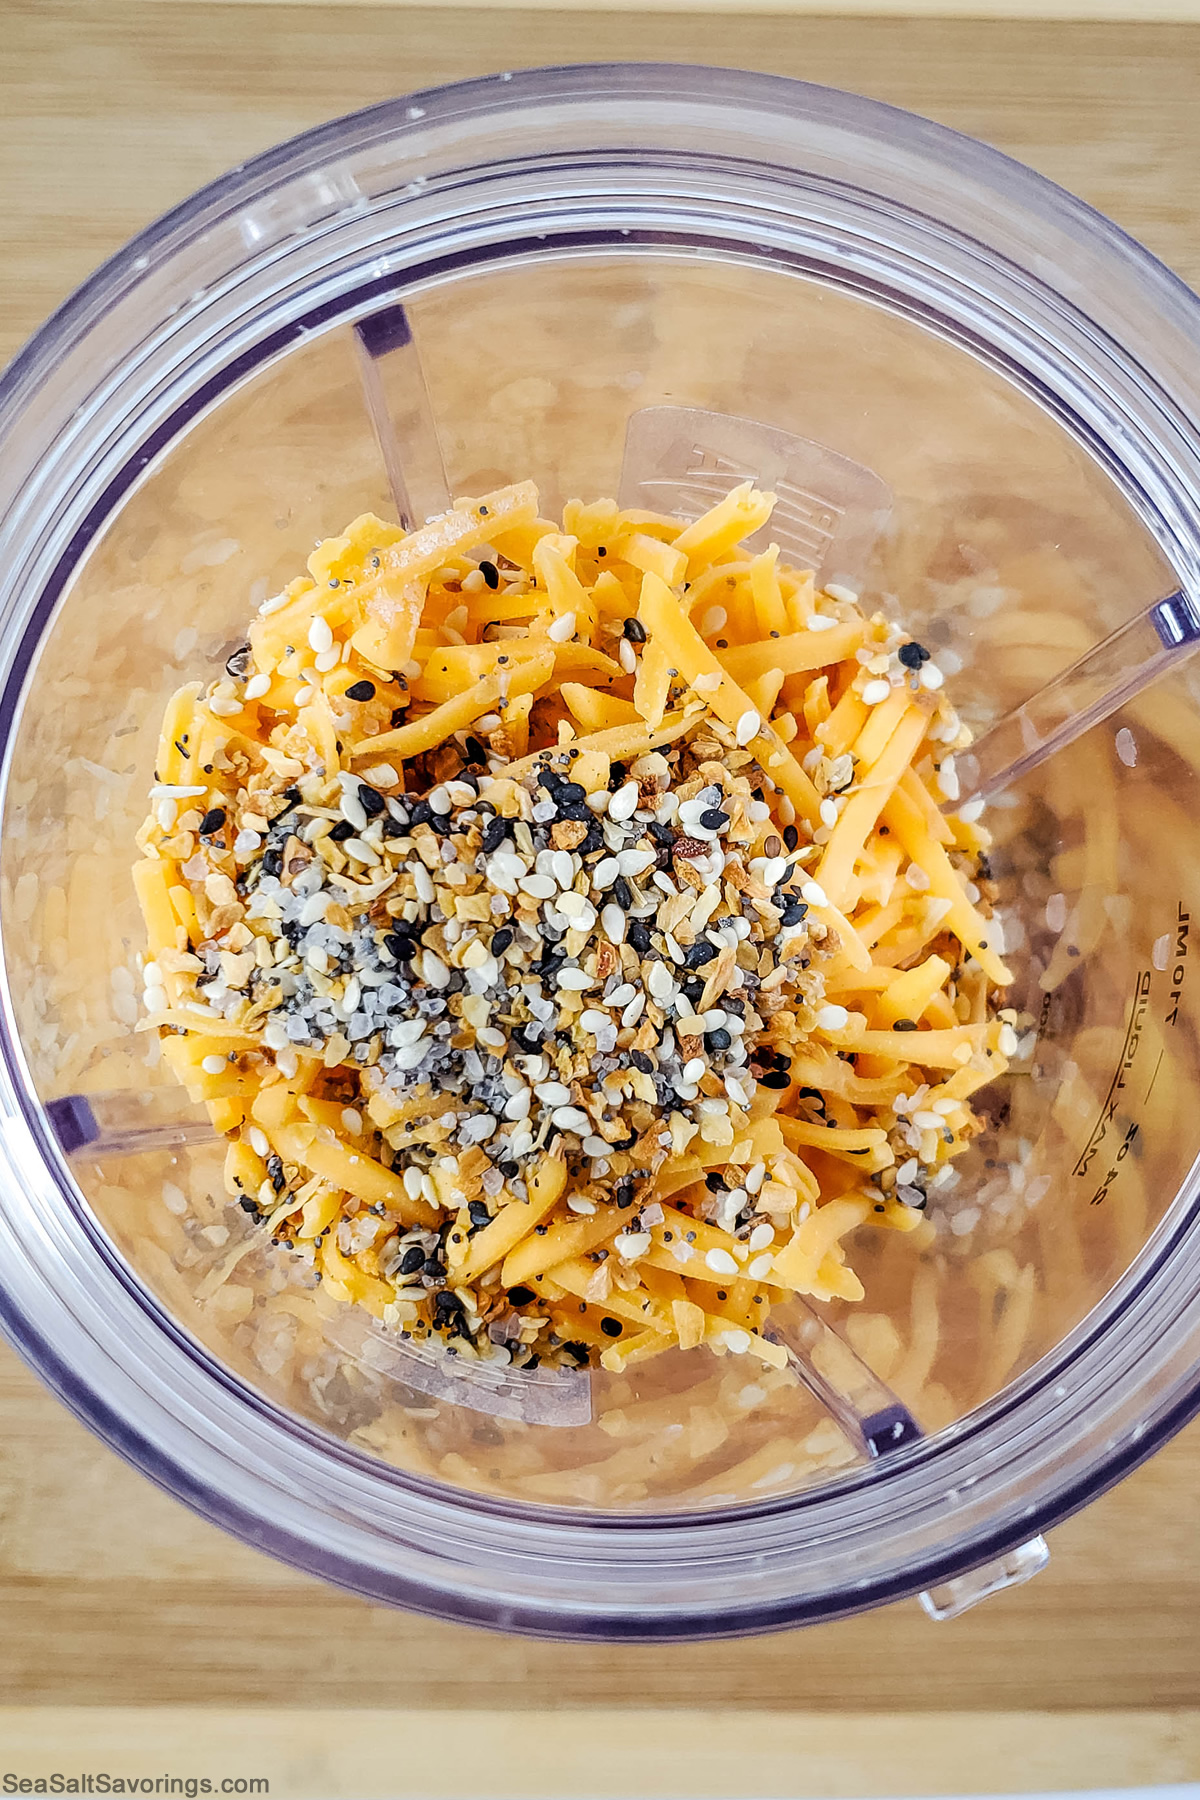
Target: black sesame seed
(571,793)
(714,1182)
(370,800)
(634,630)
(392,828)
(361,690)
(699,952)
(341,831)
(521,1296)
(791,836)
(776,1079)
(510,1170)
(212,821)
(474,751)
(638,936)
(622,893)
(717,1040)
(641,1061)
(692,989)
(623,1194)
(713,819)
(794,913)
(402,948)
(491,574)
(478,1210)
(275,1171)
(611,1327)
(904,1025)
(495,835)
(420,814)
(501,939)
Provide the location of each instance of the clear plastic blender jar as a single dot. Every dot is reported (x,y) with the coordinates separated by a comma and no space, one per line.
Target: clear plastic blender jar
(567,249)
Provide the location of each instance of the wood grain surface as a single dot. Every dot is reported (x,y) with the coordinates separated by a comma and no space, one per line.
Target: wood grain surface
(111,1594)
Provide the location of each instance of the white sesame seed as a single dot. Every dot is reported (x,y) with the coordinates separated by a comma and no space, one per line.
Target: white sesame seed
(972,811)
(714,620)
(928,1121)
(761,1237)
(947,778)
(570,1118)
(814,894)
(720,1262)
(595,1146)
(624,802)
(214,1065)
(759,1268)
(931,677)
(413,1182)
(1008,1041)
(875,692)
(635,862)
(773,870)
(320,634)
(748,726)
(626,657)
(692,1071)
(260,1143)
(660,981)
(225,706)
(407,1031)
(909,1170)
(621,996)
(613,921)
(829,812)
(562,867)
(257,686)
(518,1105)
(246,842)
(352,1120)
(593,1020)
(352,810)
(845,595)
(758,812)
(272,605)
(538,887)
(633,1011)
(491,1038)
(820,622)
(434,970)
(916,878)
(832,1018)
(562,628)
(573,980)
(579,1203)
(165,812)
(439,800)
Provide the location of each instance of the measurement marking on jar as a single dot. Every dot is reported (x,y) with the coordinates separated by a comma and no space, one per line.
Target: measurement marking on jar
(1179,967)
(1129,1050)
(1101,1192)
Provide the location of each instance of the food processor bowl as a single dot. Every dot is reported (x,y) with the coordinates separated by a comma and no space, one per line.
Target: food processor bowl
(560,250)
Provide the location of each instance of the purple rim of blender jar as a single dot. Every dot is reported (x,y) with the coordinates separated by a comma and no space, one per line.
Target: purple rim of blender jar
(165,1403)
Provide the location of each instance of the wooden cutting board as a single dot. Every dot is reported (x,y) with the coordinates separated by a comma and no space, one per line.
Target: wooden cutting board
(135,1638)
